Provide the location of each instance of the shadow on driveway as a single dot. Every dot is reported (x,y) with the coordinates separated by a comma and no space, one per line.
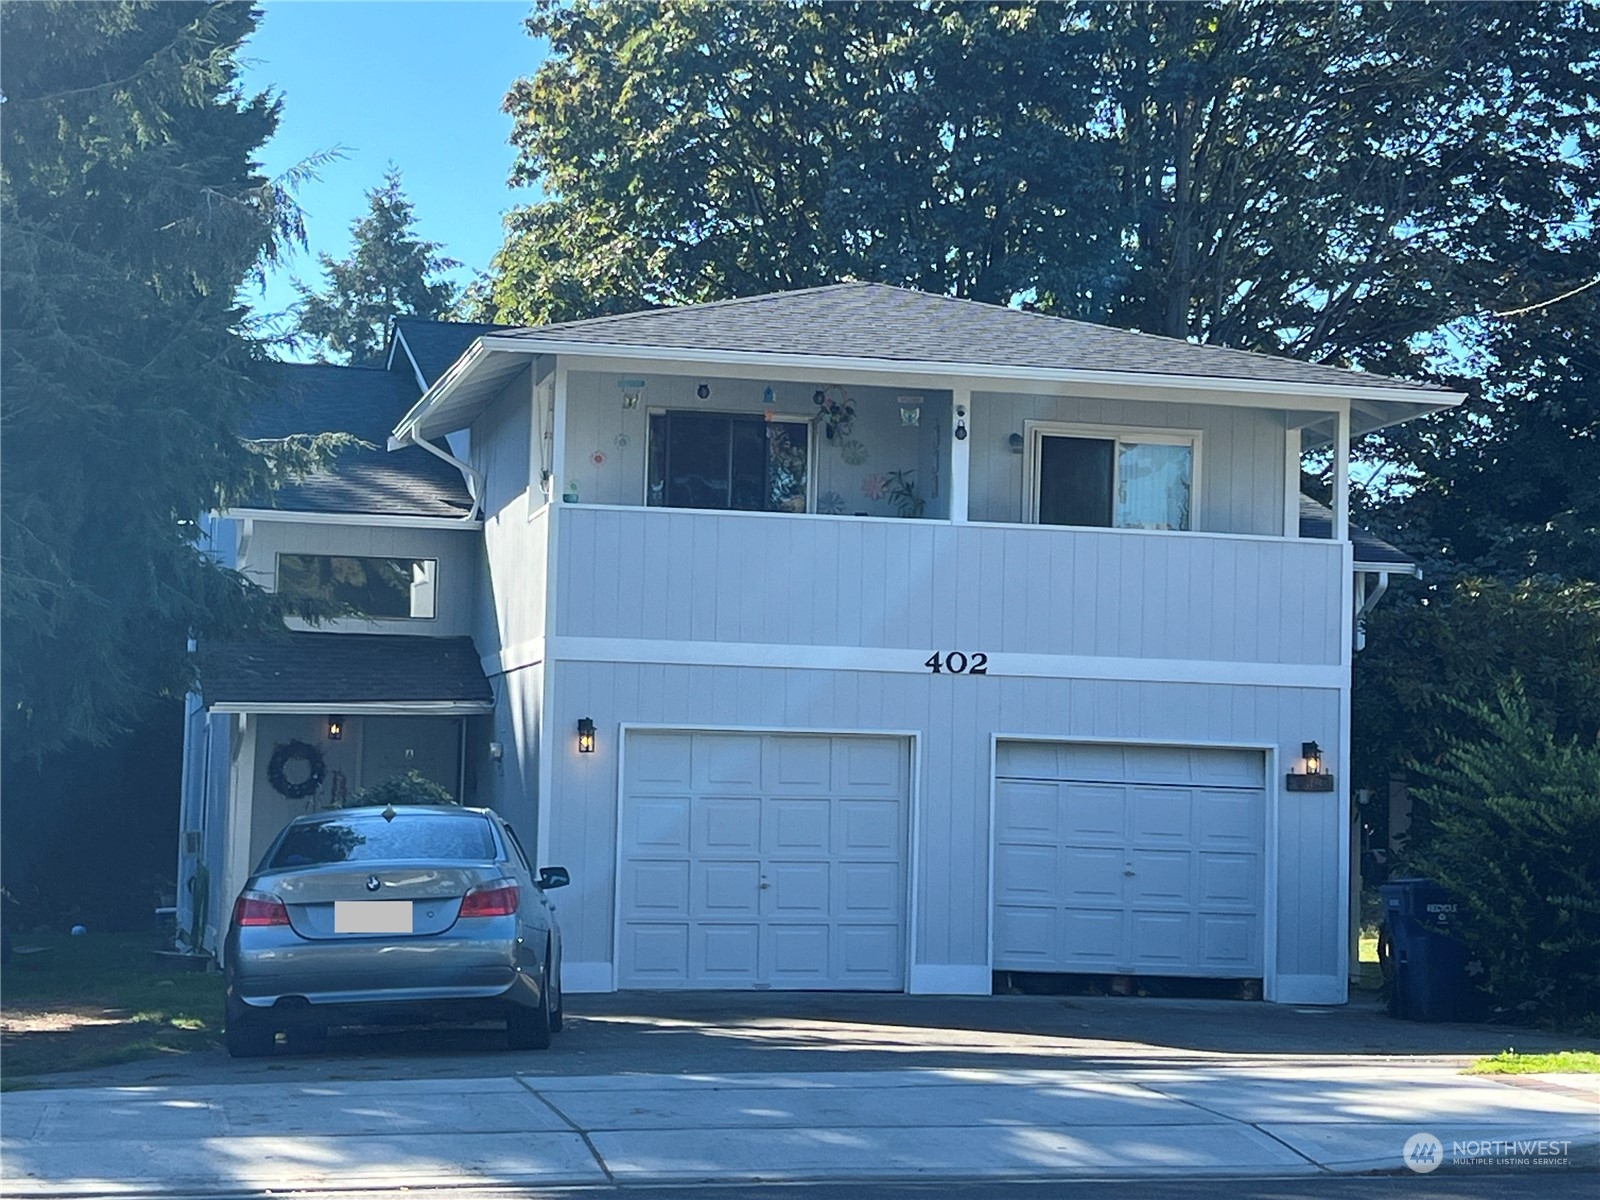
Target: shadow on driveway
(774,1032)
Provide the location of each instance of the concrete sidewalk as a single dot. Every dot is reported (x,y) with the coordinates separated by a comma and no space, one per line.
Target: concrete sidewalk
(1215,1119)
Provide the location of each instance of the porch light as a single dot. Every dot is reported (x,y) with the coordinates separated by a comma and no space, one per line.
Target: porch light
(961,422)
(1312,753)
(585,735)
(1314,777)
(335,728)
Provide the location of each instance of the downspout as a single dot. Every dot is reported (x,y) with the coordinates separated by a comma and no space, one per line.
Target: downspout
(473,475)
(1369,602)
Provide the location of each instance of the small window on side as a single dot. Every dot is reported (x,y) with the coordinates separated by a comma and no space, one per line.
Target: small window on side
(383,588)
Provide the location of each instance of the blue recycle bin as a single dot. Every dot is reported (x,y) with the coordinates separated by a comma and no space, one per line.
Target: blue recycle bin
(1427,969)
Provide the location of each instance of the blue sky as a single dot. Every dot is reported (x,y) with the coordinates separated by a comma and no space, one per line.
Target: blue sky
(417,84)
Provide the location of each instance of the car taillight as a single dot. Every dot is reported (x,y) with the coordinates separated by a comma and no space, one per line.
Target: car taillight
(259,908)
(497,899)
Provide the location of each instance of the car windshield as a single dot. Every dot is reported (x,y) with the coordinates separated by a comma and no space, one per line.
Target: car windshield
(415,835)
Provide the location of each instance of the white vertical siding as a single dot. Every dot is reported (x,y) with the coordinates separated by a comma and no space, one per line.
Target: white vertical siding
(819,581)
(1241,468)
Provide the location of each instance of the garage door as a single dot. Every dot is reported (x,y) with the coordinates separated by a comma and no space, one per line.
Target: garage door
(763,861)
(1129,859)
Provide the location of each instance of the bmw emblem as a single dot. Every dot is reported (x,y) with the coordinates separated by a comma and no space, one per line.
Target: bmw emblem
(373,883)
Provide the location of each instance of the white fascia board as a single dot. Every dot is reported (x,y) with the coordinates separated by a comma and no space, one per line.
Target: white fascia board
(372,520)
(441,388)
(1366,568)
(976,372)
(400,339)
(391,708)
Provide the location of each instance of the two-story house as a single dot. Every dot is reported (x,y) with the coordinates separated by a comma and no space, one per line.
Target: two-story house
(859,638)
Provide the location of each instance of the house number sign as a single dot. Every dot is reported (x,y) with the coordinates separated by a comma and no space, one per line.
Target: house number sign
(957,663)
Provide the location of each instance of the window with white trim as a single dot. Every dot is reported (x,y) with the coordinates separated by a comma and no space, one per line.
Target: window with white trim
(745,461)
(1112,478)
(402,588)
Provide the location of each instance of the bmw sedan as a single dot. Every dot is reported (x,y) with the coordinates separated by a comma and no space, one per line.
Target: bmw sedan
(393,915)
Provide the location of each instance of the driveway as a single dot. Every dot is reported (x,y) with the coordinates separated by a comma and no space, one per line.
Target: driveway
(775,1032)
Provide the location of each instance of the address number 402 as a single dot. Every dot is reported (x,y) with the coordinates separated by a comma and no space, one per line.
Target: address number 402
(957,663)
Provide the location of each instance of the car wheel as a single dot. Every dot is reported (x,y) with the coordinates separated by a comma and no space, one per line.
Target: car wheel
(247,1038)
(529,1028)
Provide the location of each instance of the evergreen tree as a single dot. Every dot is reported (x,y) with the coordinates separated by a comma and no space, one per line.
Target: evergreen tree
(390,273)
(132,213)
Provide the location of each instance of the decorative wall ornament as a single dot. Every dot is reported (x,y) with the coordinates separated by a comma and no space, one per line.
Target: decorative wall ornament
(854,452)
(296,751)
(838,411)
(830,503)
(873,486)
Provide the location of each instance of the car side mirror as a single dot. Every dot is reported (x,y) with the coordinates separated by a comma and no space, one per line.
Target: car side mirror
(553,877)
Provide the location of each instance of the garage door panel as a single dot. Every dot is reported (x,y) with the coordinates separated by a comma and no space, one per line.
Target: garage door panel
(728,889)
(1229,943)
(1023,934)
(1091,938)
(726,762)
(1162,816)
(1230,879)
(799,953)
(868,955)
(1230,819)
(868,889)
(727,826)
(1031,812)
(657,889)
(794,763)
(726,953)
(1131,859)
(1090,873)
(1095,813)
(1160,877)
(658,953)
(782,865)
(660,824)
(1163,941)
(1023,871)
(660,762)
(791,826)
(869,828)
(799,888)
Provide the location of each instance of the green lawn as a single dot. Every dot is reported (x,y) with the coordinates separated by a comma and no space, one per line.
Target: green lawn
(99,999)
(1509,1062)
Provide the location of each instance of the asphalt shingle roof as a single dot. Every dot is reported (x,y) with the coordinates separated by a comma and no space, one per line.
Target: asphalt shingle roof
(874,321)
(333,669)
(366,402)
(437,344)
(1316,521)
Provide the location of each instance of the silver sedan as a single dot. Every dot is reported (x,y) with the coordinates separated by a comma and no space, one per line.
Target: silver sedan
(371,916)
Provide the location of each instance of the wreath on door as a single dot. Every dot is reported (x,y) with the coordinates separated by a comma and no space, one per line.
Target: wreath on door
(296,751)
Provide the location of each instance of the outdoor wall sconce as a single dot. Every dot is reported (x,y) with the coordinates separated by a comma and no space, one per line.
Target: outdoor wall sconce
(585,735)
(1015,442)
(335,728)
(1314,778)
(961,422)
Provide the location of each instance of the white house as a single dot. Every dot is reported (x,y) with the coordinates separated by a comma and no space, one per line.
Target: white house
(851,638)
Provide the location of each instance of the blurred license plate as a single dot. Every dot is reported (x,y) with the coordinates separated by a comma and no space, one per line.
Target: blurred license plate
(372,916)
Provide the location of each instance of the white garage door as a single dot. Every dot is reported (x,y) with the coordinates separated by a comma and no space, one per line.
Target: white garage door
(763,860)
(1129,859)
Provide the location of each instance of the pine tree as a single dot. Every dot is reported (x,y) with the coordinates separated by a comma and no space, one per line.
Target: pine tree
(390,273)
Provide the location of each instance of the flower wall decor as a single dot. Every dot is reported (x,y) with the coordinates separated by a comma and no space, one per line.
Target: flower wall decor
(830,503)
(873,487)
(854,452)
(837,411)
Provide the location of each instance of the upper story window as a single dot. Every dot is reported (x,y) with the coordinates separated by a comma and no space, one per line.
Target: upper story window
(374,587)
(1122,479)
(728,460)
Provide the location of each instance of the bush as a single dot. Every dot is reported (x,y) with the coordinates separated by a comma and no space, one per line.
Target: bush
(1511,824)
(411,788)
